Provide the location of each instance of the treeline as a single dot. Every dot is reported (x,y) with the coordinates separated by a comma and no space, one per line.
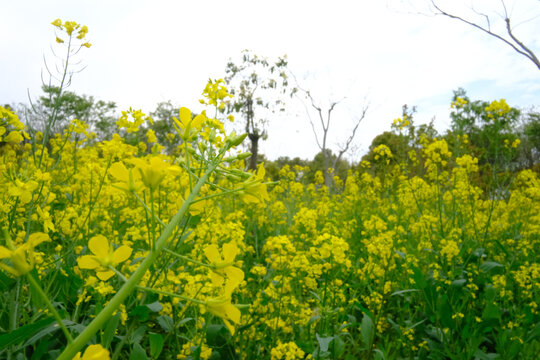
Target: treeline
(504,139)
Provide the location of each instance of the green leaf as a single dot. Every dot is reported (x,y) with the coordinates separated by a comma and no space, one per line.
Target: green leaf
(419,278)
(155,306)
(141,311)
(156,344)
(379,355)
(165,322)
(338,346)
(367,330)
(137,353)
(52,328)
(445,313)
(489,265)
(324,342)
(479,354)
(401,292)
(491,311)
(459,283)
(108,332)
(40,350)
(216,335)
(23,333)
(137,335)
(535,333)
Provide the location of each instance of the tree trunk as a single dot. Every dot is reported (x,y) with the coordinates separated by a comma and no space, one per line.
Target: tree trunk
(254,150)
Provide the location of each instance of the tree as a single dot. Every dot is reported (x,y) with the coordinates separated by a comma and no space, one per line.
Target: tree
(66,106)
(162,126)
(484,23)
(321,137)
(257,85)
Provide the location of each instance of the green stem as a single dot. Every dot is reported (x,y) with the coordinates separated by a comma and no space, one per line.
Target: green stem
(51,308)
(166,293)
(148,209)
(188,258)
(136,277)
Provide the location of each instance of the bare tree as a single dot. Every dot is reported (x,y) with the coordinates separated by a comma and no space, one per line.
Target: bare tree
(508,36)
(321,137)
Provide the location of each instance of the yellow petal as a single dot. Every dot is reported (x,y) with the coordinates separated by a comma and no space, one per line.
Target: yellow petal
(212,253)
(4,252)
(217,280)
(230,250)
(234,274)
(119,171)
(37,238)
(96,352)
(185,117)
(233,313)
(105,275)
(88,262)
(121,254)
(198,122)
(99,246)
(229,326)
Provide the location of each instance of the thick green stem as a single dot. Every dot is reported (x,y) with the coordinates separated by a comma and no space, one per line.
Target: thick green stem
(136,277)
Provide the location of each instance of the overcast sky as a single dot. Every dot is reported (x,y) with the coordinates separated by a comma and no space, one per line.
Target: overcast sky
(386,52)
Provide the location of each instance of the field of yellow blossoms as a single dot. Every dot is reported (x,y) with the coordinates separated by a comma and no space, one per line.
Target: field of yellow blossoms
(117,251)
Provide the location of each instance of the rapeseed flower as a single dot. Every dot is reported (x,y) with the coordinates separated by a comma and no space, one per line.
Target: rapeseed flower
(104,256)
(254,190)
(22,257)
(221,306)
(223,266)
(127,179)
(94,352)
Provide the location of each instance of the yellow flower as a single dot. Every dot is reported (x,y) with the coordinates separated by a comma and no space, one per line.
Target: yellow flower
(128,180)
(23,191)
(58,40)
(70,26)
(22,257)
(254,189)
(153,171)
(222,307)
(82,32)
(187,127)
(94,352)
(57,23)
(223,266)
(103,256)
(46,218)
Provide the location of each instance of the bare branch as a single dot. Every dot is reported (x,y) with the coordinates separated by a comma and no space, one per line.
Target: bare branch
(520,47)
(345,148)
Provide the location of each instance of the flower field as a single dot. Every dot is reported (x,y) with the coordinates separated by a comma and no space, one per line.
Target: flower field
(110,249)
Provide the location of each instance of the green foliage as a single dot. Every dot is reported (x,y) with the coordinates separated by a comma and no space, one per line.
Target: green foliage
(65,106)
(257,85)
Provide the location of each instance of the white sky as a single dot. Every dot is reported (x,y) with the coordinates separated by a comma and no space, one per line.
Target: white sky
(145,52)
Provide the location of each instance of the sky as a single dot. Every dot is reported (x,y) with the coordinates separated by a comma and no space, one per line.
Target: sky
(380,54)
